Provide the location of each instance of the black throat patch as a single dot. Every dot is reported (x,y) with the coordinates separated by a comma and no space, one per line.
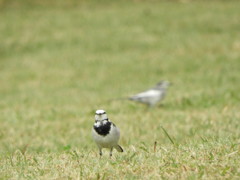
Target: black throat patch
(103,129)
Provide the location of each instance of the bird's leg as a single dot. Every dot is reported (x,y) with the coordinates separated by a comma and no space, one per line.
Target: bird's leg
(150,107)
(100,152)
(111,152)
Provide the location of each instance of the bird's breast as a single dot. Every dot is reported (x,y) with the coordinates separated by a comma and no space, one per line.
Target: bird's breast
(103,129)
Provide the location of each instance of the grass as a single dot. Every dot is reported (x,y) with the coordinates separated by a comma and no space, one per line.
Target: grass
(59,64)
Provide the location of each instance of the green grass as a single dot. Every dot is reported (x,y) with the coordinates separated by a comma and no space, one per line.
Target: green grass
(59,64)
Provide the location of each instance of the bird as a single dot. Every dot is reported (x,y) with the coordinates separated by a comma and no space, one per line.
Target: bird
(105,133)
(153,95)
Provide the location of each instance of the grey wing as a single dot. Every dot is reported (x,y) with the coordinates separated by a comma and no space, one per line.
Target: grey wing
(146,96)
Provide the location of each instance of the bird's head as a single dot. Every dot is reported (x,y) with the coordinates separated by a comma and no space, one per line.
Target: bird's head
(101,115)
(163,84)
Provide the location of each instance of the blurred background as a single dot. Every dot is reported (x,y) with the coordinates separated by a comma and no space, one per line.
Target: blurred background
(62,60)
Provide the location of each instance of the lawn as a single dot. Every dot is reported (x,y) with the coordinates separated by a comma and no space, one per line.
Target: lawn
(61,62)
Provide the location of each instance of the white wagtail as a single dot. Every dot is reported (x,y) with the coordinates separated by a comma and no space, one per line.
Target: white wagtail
(152,96)
(105,133)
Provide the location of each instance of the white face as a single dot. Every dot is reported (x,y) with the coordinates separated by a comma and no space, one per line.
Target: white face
(100,115)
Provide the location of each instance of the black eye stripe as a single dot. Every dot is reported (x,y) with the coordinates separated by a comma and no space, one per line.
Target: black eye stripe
(100,113)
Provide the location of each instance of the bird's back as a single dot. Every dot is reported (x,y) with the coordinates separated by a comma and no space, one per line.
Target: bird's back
(150,97)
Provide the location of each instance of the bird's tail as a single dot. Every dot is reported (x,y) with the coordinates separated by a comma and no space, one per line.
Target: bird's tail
(119,148)
(117,99)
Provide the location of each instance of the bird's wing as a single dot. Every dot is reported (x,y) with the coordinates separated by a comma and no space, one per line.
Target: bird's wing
(146,94)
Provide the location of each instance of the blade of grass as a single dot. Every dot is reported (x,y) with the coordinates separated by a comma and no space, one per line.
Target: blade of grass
(166,133)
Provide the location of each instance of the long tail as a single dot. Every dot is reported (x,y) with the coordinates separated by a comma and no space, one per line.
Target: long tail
(119,148)
(117,99)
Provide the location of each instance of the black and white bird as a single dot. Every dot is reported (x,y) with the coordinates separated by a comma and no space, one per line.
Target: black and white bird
(105,133)
(153,95)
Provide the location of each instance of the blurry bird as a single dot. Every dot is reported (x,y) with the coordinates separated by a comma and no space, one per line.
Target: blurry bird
(152,96)
(105,133)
